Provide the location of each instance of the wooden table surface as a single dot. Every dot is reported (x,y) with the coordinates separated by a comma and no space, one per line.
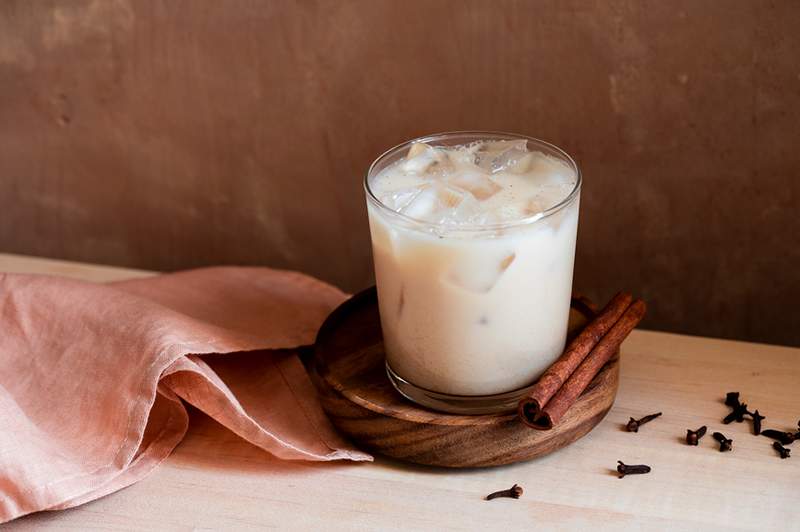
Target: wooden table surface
(216,481)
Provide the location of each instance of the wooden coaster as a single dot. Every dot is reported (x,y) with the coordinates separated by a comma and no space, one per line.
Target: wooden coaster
(349,371)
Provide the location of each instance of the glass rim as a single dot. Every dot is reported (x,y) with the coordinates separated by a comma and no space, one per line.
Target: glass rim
(479,135)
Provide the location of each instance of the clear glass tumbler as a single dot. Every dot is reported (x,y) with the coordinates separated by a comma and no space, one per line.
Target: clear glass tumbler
(472,314)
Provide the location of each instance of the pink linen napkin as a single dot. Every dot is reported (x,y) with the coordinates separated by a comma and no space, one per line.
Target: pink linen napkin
(92,377)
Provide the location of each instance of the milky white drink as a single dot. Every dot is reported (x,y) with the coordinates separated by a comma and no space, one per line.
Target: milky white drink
(473,245)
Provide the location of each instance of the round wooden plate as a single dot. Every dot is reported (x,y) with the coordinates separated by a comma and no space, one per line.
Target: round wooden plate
(349,372)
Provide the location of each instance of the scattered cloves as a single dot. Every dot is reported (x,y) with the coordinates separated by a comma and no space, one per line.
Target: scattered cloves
(784,438)
(693,436)
(725,444)
(513,492)
(757,422)
(634,424)
(624,469)
(783,451)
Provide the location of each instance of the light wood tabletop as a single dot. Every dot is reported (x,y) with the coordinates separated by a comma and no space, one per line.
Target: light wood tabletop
(216,481)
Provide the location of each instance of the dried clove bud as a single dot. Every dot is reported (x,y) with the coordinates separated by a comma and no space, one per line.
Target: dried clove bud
(634,424)
(783,437)
(693,436)
(513,492)
(725,444)
(741,411)
(624,469)
(783,451)
(757,422)
(732,399)
(737,414)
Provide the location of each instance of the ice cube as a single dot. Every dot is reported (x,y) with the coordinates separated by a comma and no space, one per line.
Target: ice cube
(481,274)
(496,156)
(423,205)
(417,148)
(534,205)
(420,157)
(499,146)
(449,197)
(506,262)
(463,155)
(464,210)
(440,169)
(519,163)
(513,160)
(511,212)
(398,199)
(443,204)
(549,170)
(456,206)
(476,183)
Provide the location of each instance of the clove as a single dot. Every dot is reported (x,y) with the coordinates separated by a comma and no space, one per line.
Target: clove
(634,424)
(624,469)
(784,438)
(693,436)
(513,492)
(732,399)
(725,444)
(737,414)
(783,451)
(757,422)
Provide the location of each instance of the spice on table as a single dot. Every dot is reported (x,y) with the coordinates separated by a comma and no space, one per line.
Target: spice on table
(783,437)
(693,436)
(725,444)
(783,451)
(737,414)
(732,399)
(757,422)
(625,469)
(513,492)
(539,413)
(634,424)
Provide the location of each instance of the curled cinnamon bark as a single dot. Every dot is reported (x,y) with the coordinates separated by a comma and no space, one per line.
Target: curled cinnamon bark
(574,386)
(577,350)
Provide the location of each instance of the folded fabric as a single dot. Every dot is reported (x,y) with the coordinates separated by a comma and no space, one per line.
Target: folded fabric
(92,377)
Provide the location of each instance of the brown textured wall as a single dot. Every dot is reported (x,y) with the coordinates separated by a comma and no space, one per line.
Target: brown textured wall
(170,134)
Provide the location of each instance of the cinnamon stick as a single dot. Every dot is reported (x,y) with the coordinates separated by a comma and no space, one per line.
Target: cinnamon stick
(577,350)
(583,304)
(566,396)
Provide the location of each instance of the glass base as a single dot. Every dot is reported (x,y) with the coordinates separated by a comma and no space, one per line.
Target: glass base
(456,404)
